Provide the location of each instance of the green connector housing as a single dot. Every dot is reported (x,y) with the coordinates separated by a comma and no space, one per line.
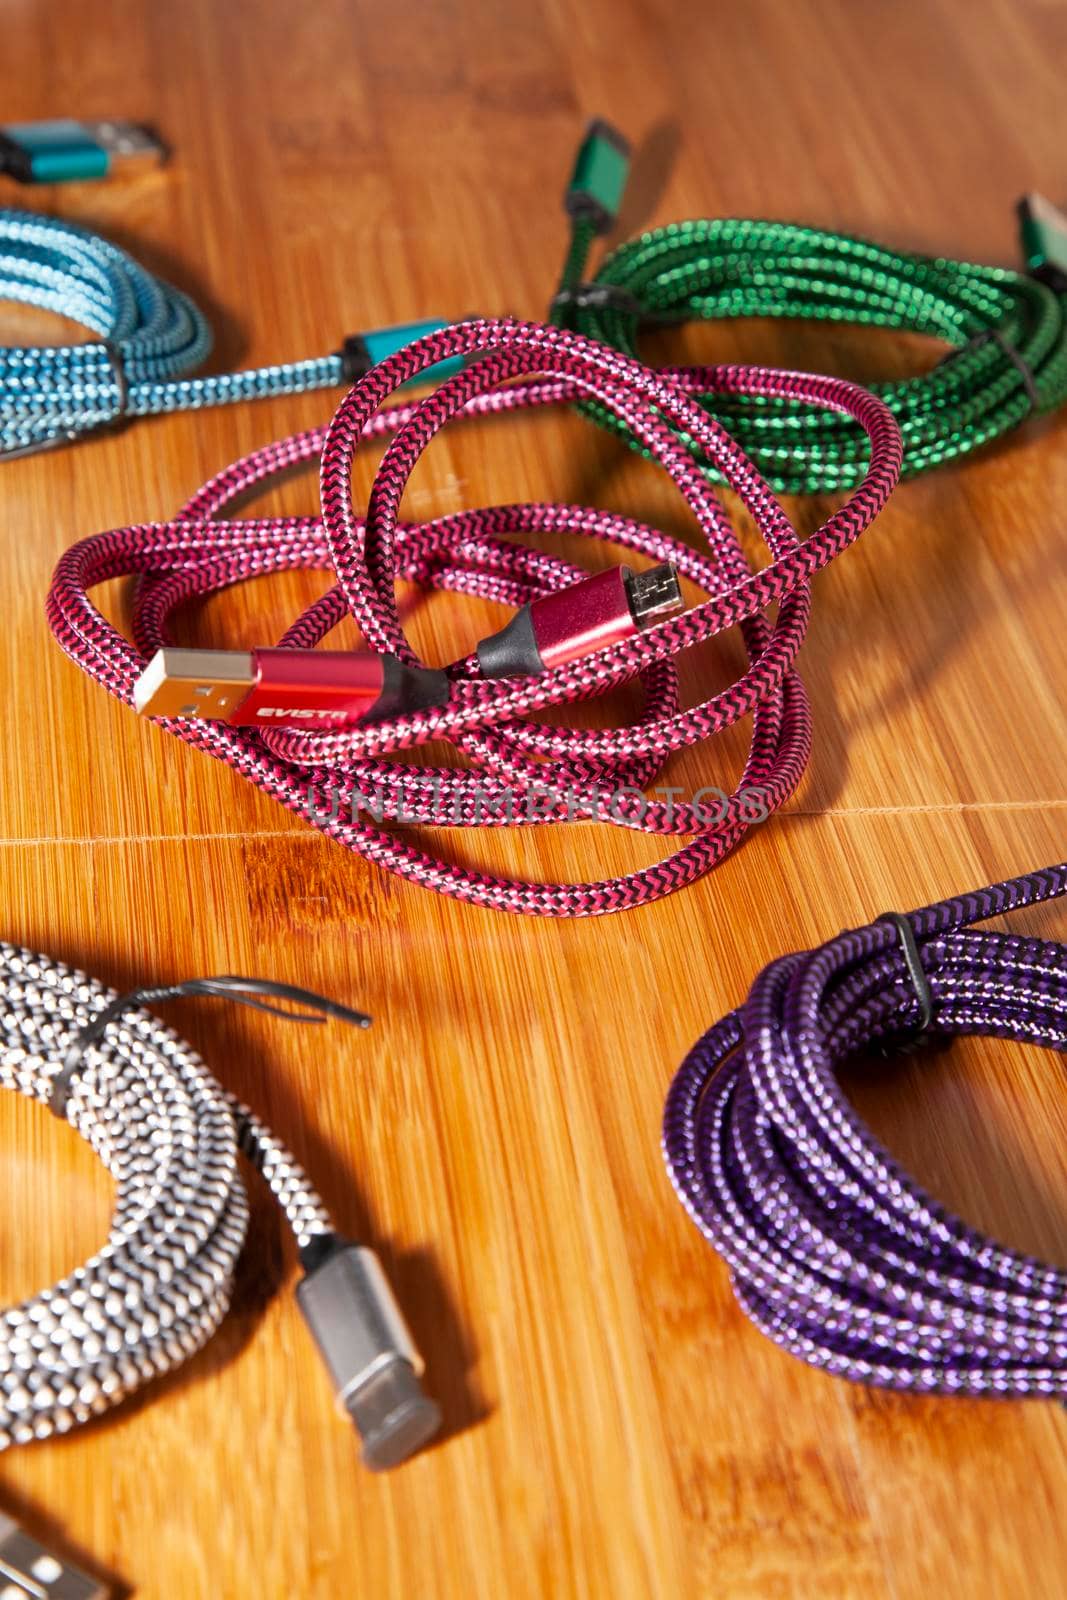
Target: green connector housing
(1043,234)
(595,191)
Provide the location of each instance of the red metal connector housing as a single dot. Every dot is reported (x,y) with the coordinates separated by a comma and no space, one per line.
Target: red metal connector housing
(574,622)
(279,688)
(312,686)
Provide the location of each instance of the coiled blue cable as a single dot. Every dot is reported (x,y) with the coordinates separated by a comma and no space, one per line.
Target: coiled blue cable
(149,335)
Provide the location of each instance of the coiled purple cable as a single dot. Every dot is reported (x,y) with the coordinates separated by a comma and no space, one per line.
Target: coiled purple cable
(834,1252)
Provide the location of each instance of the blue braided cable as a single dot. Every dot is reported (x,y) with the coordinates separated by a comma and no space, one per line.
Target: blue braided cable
(149,335)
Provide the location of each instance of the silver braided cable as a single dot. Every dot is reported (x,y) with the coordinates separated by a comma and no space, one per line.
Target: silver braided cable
(169,1135)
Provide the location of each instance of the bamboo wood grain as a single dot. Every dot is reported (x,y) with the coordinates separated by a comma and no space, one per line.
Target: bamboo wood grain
(615,1426)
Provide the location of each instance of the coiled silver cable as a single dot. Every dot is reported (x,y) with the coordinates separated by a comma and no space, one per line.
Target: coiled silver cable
(170,1136)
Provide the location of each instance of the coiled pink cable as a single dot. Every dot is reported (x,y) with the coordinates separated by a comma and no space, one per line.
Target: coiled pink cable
(332,778)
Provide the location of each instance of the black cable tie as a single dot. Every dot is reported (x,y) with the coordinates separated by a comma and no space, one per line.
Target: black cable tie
(598,297)
(1019,362)
(224,987)
(913,961)
(117,363)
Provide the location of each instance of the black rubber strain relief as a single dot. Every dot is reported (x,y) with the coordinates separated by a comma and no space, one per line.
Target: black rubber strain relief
(319,1249)
(355,358)
(513,652)
(406,688)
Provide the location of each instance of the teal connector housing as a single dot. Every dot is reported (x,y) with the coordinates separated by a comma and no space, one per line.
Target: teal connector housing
(598,181)
(1043,235)
(55,152)
(365,350)
(65,151)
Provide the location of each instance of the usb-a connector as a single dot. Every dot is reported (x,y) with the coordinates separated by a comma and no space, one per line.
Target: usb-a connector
(284,688)
(64,150)
(195,683)
(29,1569)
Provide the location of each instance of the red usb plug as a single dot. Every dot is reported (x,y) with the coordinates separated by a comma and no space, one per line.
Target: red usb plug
(575,621)
(278,688)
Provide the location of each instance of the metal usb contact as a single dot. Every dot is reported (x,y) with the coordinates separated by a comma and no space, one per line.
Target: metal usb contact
(29,1569)
(128,145)
(655,592)
(194,683)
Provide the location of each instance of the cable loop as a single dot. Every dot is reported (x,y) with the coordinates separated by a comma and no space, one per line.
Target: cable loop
(170,1136)
(728,268)
(139,324)
(834,1251)
(516,771)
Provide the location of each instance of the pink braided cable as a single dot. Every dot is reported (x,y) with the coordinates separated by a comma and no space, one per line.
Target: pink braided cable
(343,781)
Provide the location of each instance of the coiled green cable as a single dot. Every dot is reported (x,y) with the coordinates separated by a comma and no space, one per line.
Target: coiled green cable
(1008,329)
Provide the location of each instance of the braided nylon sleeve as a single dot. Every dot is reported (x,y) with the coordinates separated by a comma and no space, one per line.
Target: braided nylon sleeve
(834,1251)
(150,335)
(169,1136)
(1008,332)
(345,782)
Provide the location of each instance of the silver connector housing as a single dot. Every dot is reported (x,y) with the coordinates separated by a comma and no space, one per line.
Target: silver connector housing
(29,1568)
(128,144)
(354,1319)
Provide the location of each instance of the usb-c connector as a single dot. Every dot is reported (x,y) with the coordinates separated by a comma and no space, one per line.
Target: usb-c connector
(361,351)
(361,1334)
(601,169)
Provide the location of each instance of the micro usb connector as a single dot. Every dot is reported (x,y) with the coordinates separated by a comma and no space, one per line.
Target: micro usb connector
(62,151)
(653,593)
(577,621)
(29,1569)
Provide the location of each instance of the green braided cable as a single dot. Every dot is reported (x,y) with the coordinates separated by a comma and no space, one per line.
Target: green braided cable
(1009,331)
(574,263)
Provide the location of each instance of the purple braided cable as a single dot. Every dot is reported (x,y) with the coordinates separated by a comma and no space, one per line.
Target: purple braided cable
(333,778)
(834,1252)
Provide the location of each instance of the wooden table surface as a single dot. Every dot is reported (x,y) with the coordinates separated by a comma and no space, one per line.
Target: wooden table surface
(615,1427)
